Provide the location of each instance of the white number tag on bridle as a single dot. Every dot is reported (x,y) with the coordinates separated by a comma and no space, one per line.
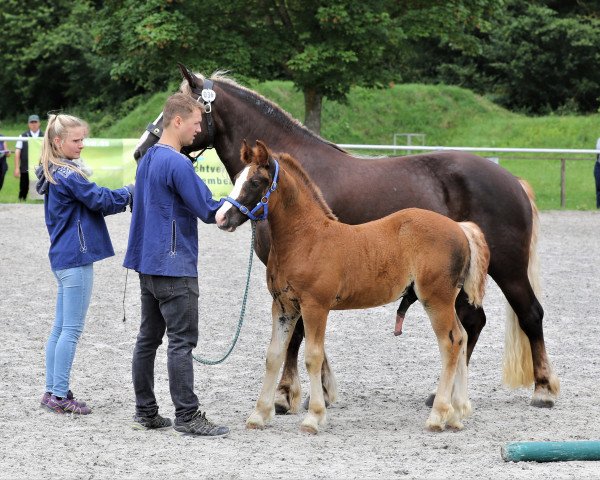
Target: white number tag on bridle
(208,95)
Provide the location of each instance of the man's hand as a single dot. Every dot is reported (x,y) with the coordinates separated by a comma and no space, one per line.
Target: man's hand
(130,188)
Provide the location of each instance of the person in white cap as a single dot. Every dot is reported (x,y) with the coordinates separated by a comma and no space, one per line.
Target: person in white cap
(22,155)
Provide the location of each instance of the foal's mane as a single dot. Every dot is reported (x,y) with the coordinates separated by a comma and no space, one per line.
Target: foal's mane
(293,167)
(254,98)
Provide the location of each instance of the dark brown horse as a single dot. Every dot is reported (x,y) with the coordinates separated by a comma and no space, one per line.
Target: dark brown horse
(318,264)
(458,185)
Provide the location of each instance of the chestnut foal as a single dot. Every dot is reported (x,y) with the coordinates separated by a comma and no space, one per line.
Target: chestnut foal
(317,264)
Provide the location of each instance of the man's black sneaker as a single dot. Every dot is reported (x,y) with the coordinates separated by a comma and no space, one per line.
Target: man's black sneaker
(151,423)
(199,425)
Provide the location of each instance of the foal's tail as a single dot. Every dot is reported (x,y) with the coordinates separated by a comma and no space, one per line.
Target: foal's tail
(517,370)
(474,285)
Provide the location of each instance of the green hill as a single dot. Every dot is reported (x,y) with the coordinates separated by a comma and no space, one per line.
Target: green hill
(447,115)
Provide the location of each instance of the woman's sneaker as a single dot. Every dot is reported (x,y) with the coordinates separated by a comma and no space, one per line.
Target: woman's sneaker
(68,405)
(151,423)
(46,396)
(199,425)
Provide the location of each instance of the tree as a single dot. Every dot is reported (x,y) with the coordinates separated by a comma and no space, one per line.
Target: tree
(47,62)
(326,47)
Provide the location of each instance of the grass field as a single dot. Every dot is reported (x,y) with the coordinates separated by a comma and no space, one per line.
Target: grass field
(446,115)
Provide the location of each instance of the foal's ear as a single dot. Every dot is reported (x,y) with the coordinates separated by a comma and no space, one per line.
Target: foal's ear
(246,153)
(262,154)
(188,75)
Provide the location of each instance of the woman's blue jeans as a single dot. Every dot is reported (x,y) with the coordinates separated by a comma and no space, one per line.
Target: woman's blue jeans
(72,302)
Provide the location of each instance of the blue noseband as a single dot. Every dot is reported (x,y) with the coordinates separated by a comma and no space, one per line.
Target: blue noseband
(264,201)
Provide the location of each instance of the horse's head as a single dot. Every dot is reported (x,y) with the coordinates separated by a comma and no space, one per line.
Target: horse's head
(199,88)
(253,186)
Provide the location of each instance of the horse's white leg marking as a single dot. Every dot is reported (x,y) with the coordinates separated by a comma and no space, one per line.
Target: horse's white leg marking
(280,337)
(314,351)
(235,193)
(450,349)
(460,393)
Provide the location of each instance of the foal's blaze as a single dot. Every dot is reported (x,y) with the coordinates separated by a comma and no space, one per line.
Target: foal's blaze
(317,264)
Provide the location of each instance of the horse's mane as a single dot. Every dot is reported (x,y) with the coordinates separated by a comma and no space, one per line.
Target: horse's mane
(251,96)
(293,167)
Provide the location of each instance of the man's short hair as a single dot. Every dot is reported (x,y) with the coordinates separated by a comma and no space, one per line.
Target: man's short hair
(179,104)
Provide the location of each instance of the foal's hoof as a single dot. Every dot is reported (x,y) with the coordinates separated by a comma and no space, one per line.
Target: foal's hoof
(254,426)
(429,400)
(309,429)
(255,422)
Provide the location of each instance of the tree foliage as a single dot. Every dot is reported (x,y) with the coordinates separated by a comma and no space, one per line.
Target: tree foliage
(536,56)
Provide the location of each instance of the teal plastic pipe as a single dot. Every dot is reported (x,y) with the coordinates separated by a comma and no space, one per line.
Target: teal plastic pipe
(551,451)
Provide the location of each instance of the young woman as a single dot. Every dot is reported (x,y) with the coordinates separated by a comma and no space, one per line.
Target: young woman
(74,209)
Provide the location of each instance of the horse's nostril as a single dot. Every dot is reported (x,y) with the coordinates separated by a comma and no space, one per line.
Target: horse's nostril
(136,155)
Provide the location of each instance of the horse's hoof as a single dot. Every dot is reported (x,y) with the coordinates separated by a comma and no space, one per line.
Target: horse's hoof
(434,426)
(429,400)
(456,424)
(310,429)
(255,422)
(254,426)
(544,397)
(544,402)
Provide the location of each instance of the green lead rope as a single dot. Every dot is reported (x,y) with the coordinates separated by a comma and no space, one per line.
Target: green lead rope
(206,361)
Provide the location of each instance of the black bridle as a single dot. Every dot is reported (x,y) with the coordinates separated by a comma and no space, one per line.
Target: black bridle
(207,95)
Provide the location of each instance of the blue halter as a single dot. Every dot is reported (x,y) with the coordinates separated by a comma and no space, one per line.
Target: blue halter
(264,201)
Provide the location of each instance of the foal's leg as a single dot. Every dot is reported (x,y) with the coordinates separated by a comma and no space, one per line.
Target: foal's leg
(287,398)
(451,343)
(280,336)
(315,322)
(460,393)
(473,320)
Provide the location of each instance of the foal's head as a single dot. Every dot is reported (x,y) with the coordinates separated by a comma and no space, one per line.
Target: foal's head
(251,188)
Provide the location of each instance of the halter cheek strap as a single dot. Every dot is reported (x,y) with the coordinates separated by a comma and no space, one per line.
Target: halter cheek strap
(264,201)
(207,96)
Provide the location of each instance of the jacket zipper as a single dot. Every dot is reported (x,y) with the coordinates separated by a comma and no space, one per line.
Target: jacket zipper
(82,245)
(173,251)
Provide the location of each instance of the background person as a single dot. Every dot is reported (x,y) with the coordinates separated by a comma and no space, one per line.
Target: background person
(74,210)
(4,154)
(163,249)
(22,156)
(597,174)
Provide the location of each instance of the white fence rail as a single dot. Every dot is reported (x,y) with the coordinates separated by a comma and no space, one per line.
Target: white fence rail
(562,153)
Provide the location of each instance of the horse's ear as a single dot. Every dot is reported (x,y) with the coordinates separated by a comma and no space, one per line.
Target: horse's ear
(262,153)
(188,75)
(246,153)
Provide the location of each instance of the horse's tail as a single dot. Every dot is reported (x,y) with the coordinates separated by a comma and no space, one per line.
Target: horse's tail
(517,368)
(474,284)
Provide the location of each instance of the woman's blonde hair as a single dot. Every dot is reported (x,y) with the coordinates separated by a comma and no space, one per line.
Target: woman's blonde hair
(58,126)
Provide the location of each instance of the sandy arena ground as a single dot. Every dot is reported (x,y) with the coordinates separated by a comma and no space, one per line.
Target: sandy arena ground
(375,430)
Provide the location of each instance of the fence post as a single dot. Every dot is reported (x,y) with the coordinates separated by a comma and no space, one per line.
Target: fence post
(563,174)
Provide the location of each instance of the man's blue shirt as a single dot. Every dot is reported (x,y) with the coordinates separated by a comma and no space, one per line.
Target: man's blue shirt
(169,197)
